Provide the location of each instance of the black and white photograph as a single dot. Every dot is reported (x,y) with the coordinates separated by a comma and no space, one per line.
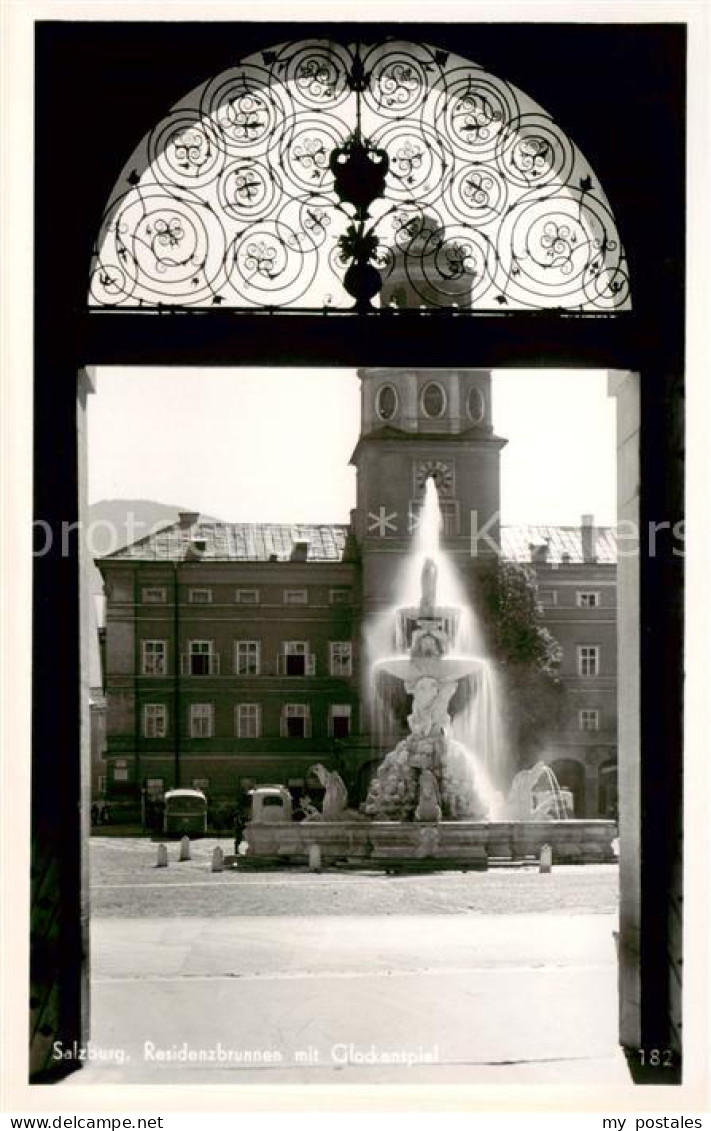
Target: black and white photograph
(361,747)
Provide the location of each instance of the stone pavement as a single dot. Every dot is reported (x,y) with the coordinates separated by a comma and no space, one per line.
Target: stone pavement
(468,998)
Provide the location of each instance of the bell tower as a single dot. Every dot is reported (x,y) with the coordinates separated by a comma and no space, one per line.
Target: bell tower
(418,424)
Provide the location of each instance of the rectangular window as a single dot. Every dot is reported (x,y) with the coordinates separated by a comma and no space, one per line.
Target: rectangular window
(201,658)
(202,784)
(248,720)
(154,595)
(247,657)
(589,659)
(339,720)
(547,598)
(155,720)
(154,657)
(295,720)
(295,597)
(200,596)
(340,596)
(341,658)
(120,773)
(589,719)
(295,658)
(101,781)
(588,599)
(449,509)
(247,596)
(154,788)
(202,720)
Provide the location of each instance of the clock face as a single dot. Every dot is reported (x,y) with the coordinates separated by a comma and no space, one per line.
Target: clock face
(441,470)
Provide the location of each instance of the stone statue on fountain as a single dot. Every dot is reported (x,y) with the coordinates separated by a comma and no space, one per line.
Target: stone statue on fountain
(428,776)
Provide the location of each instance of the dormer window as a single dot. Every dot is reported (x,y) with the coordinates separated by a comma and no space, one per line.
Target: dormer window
(433,400)
(386,402)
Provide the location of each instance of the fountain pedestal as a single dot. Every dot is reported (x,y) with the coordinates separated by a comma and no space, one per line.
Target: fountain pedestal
(462,845)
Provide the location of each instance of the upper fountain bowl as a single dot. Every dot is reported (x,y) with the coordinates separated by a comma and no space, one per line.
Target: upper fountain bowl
(446,669)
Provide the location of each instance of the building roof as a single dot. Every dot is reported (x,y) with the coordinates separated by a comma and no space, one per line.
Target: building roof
(263,542)
(236,542)
(516,543)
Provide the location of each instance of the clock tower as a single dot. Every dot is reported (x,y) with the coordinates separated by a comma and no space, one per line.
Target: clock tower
(418,424)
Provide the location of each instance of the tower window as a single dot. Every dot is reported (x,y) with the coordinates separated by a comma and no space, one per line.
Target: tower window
(433,400)
(475,404)
(449,510)
(386,402)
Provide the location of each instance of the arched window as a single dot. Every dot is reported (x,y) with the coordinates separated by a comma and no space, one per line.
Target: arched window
(386,402)
(433,400)
(394,172)
(476,405)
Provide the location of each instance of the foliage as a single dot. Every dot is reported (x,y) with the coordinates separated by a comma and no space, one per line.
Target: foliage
(526,653)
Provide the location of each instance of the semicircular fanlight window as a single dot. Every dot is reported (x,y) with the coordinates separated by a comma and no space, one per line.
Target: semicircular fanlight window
(232,199)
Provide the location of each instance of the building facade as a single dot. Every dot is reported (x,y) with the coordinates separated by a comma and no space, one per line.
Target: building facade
(238,654)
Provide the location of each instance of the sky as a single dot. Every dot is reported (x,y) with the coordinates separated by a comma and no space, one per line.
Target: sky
(272,445)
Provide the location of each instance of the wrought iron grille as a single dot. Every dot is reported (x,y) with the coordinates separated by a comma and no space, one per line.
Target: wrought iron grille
(440,184)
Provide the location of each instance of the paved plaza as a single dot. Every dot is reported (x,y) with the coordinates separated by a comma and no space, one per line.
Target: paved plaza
(291,977)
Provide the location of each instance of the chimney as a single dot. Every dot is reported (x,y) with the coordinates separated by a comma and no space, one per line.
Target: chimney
(299,551)
(587,537)
(539,551)
(188,518)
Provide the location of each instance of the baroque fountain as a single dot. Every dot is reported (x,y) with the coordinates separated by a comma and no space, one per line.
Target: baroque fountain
(434,801)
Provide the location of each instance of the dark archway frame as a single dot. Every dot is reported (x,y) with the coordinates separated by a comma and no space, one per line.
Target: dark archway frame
(619,91)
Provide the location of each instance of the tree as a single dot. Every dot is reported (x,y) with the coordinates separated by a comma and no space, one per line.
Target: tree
(527,655)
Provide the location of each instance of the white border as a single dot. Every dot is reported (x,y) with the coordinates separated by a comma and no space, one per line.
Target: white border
(18,17)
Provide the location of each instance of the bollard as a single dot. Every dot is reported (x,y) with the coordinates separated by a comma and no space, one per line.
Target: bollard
(218,859)
(314,858)
(546,862)
(162,861)
(184,849)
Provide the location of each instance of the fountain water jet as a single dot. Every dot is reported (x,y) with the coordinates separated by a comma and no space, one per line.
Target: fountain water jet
(435,656)
(432,797)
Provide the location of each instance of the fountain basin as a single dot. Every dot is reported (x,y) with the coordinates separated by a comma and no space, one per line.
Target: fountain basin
(469,844)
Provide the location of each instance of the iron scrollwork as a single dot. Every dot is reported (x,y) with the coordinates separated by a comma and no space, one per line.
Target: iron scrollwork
(315,173)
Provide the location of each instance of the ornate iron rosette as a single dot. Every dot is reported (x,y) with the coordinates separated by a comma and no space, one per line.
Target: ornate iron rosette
(485,202)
